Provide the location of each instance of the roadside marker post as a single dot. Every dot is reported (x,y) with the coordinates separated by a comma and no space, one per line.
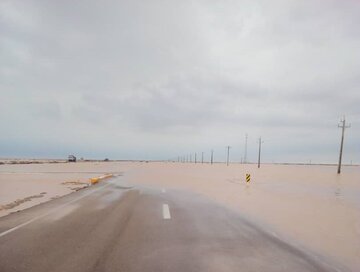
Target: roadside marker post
(248,178)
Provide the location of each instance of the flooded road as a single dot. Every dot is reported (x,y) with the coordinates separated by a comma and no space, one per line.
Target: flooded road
(309,206)
(115,226)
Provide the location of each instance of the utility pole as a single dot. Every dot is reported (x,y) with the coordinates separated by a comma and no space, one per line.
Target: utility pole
(343,126)
(202,157)
(195,157)
(227,159)
(212,156)
(190,157)
(260,142)
(245,153)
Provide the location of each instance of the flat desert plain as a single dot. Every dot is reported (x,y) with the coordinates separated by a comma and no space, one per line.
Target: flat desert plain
(309,206)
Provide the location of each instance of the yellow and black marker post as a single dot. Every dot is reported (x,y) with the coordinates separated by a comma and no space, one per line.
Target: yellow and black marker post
(248,178)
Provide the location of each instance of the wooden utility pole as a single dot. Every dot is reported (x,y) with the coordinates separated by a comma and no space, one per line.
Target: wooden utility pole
(202,157)
(227,159)
(212,156)
(260,142)
(195,157)
(245,153)
(343,126)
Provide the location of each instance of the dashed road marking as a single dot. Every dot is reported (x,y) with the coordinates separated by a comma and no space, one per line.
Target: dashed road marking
(166,211)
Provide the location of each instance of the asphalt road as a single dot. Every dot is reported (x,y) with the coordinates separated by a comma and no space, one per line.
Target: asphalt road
(115,227)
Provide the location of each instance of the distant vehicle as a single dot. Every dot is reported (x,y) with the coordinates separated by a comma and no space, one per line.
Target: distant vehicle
(106,159)
(71,158)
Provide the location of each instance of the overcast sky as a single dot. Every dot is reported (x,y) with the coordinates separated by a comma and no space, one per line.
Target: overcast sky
(158,79)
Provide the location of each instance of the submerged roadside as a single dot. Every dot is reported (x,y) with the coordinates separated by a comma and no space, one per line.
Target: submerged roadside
(25,185)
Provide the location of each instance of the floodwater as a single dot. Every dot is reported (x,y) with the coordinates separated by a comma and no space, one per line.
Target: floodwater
(310,206)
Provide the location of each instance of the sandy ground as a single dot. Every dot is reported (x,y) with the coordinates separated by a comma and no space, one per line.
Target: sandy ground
(309,205)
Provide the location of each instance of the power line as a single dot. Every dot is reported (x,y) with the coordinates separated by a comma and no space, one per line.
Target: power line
(343,126)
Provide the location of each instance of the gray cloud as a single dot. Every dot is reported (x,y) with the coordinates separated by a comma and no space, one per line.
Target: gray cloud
(158,79)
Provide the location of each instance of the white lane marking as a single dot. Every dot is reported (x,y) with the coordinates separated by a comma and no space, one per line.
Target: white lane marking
(163,190)
(166,211)
(51,211)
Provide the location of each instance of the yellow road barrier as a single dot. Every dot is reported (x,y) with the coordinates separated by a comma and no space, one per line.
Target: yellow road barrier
(97,179)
